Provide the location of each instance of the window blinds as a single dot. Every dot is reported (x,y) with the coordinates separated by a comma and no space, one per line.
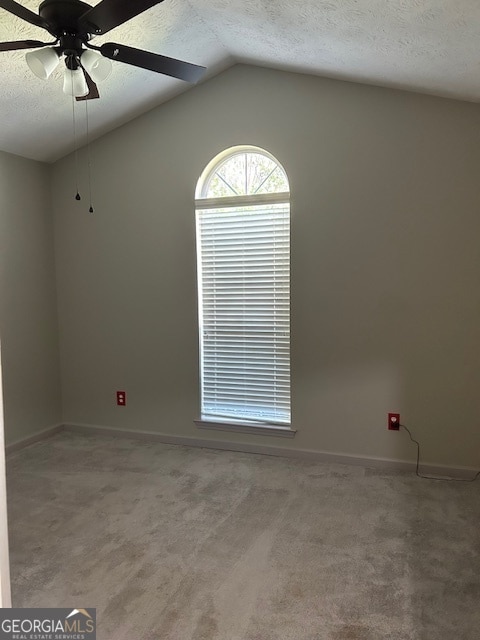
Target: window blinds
(244,308)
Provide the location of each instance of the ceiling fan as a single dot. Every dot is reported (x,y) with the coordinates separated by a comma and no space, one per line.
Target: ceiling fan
(73,24)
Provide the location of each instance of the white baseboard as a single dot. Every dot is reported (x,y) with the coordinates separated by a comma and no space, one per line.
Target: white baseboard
(36,437)
(301,454)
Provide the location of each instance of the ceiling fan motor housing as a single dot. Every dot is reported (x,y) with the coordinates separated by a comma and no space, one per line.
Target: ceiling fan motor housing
(64,15)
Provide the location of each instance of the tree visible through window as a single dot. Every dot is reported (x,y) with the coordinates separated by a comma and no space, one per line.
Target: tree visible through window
(243,255)
(245,174)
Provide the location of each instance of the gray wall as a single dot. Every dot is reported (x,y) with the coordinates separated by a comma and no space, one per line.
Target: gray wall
(385,263)
(28,313)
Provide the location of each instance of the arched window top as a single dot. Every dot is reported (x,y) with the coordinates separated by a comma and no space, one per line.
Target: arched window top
(242,171)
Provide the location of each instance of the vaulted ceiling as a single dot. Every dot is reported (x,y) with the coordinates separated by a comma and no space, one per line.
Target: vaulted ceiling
(431,46)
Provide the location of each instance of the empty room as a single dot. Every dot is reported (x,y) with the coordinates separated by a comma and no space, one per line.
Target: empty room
(240,319)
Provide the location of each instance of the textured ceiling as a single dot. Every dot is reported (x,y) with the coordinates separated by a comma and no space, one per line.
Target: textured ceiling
(432,46)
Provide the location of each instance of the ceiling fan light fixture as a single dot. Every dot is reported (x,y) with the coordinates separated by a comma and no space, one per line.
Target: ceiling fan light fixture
(97,67)
(42,62)
(74,83)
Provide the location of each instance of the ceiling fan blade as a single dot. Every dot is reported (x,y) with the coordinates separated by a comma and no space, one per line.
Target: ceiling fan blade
(24,13)
(92,88)
(22,44)
(108,14)
(152,61)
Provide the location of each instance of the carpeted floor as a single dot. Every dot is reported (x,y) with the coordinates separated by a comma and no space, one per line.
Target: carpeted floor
(176,543)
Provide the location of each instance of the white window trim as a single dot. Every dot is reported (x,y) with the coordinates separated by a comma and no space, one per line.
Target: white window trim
(201,202)
(243,201)
(243,426)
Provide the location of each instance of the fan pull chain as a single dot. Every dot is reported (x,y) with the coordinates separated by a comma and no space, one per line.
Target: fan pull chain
(89,163)
(77,196)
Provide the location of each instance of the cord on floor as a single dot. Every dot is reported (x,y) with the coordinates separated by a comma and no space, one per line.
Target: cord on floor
(421,475)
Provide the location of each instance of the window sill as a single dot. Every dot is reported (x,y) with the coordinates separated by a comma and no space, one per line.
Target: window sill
(246,427)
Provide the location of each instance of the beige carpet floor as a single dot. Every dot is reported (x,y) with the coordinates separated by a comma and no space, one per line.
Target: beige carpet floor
(176,543)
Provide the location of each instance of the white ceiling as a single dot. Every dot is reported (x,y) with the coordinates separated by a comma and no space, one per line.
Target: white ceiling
(431,46)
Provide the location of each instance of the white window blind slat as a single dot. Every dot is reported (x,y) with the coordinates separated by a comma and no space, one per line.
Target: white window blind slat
(244,311)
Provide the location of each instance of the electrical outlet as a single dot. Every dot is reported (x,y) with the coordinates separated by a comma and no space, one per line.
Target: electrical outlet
(393,421)
(121,398)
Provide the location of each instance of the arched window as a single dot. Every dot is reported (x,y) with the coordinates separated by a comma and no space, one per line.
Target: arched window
(243,255)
